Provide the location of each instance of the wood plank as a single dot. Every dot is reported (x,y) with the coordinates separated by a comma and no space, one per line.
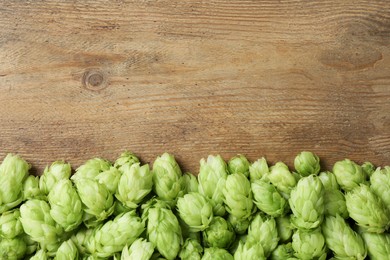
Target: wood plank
(264,78)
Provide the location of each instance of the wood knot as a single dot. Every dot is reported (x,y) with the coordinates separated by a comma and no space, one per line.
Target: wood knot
(94,79)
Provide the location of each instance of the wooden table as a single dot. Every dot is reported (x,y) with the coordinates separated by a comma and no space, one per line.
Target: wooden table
(80,79)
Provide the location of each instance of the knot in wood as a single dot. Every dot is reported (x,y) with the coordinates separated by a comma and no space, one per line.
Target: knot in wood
(94,79)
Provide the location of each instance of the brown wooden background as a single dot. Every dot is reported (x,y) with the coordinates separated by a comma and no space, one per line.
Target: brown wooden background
(80,79)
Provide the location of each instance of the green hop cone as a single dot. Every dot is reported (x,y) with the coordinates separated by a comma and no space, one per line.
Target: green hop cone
(39,225)
(40,255)
(258,169)
(115,234)
(81,239)
(190,183)
(268,199)
(329,181)
(91,169)
(307,163)
(282,252)
(212,177)
(342,240)
(215,253)
(380,184)
(220,233)
(140,249)
(191,250)
(31,188)
(348,174)
(13,172)
(263,230)
(150,204)
(249,250)
(10,225)
(284,227)
(110,179)
(238,195)
(368,168)
(367,209)
(96,198)
(307,203)
(67,251)
(135,183)
(195,210)
(378,245)
(57,171)
(281,177)
(66,207)
(167,178)
(164,232)
(12,248)
(309,244)
(239,164)
(334,203)
(239,225)
(126,159)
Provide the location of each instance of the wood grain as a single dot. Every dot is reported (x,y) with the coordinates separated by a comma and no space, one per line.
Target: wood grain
(80,79)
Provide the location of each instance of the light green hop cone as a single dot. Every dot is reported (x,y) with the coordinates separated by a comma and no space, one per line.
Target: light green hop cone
(238,196)
(215,253)
(239,164)
(39,225)
(81,239)
(91,169)
(240,225)
(263,230)
(97,201)
(380,184)
(309,244)
(12,248)
(190,183)
(219,234)
(367,209)
(258,169)
(249,250)
(135,184)
(281,177)
(307,163)
(164,232)
(307,203)
(66,207)
(109,178)
(191,250)
(212,178)
(284,227)
(57,171)
(378,245)
(348,174)
(67,251)
(334,203)
(125,160)
(329,181)
(342,240)
(140,249)
(10,225)
(196,211)
(115,234)
(167,178)
(268,199)
(282,252)
(31,188)
(13,172)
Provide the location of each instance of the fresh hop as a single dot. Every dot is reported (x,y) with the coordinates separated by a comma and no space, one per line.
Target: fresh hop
(239,209)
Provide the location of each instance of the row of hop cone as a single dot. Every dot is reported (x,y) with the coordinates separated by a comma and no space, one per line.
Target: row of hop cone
(234,210)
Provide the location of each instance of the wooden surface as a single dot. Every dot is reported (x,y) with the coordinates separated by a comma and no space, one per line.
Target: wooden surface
(80,79)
